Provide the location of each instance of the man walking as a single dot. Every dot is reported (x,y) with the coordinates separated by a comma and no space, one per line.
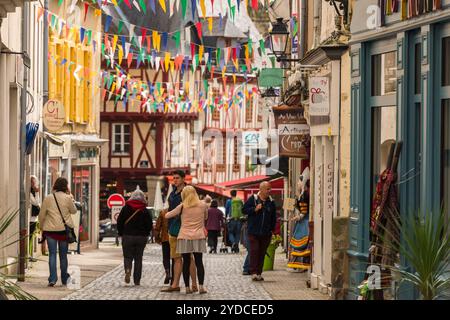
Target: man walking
(235,225)
(261,211)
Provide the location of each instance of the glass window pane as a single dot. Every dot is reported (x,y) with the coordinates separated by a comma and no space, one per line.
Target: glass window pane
(384,74)
(117,128)
(417,64)
(126,147)
(445,156)
(446,61)
(126,128)
(384,133)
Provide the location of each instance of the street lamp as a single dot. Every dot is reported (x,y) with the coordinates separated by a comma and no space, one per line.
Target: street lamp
(279,38)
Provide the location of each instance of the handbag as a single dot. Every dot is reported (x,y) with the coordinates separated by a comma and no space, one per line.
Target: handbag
(70,232)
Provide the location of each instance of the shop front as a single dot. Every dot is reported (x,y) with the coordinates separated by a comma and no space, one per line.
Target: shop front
(400,93)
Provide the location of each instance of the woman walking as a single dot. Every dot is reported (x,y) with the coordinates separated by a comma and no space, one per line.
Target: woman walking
(214,224)
(55,213)
(134,225)
(191,238)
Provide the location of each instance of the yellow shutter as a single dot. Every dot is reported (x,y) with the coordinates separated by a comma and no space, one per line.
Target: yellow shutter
(51,72)
(87,93)
(73,58)
(79,87)
(67,82)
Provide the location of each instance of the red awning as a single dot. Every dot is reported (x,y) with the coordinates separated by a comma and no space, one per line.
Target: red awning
(244,181)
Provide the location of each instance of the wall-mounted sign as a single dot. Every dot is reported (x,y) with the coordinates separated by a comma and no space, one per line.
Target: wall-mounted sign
(293,132)
(270,77)
(319,96)
(254,139)
(87,153)
(54,115)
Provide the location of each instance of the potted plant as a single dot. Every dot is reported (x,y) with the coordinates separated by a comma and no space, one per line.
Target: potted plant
(270,253)
(7,287)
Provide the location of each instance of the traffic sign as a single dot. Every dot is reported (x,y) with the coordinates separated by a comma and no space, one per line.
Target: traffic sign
(115,200)
(115,211)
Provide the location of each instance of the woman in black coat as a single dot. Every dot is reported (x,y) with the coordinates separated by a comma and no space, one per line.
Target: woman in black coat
(134,225)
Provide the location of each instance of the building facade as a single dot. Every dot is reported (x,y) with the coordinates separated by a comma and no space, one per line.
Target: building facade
(400,91)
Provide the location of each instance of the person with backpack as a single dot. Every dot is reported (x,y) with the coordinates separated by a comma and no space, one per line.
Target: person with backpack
(134,225)
(262,216)
(56,212)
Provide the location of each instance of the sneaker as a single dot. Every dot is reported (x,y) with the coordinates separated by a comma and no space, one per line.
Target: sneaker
(127,276)
(254,277)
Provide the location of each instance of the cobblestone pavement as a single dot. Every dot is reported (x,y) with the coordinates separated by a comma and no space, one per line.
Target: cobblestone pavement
(223,280)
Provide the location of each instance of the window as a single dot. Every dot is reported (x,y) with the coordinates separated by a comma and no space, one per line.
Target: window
(121,139)
(384,134)
(445,61)
(384,74)
(249,109)
(445,154)
(236,155)
(417,64)
(221,151)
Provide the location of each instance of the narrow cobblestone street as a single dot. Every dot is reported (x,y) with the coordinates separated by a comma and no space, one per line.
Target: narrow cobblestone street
(224,281)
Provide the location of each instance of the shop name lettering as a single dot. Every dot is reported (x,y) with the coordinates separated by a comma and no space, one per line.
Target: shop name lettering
(87,153)
(292,130)
(291,116)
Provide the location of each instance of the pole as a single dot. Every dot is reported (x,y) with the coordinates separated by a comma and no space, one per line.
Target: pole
(23,232)
(45,98)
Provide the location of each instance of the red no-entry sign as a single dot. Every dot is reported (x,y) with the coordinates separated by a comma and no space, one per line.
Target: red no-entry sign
(115,200)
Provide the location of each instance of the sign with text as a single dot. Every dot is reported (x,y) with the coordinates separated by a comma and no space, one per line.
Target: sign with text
(293,131)
(319,96)
(271,77)
(254,139)
(54,115)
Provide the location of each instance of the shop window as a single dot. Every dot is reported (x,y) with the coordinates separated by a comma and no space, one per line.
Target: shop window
(445,61)
(445,156)
(384,74)
(121,139)
(384,134)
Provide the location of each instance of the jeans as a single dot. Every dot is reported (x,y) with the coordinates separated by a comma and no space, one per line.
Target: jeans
(258,248)
(63,246)
(234,231)
(133,250)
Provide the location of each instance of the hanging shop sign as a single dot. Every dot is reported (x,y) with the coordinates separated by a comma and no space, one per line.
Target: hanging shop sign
(293,131)
(319,96)
(254,139)
(270,77)
(54,115)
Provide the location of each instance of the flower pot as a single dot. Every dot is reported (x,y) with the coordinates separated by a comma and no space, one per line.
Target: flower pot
(269,259)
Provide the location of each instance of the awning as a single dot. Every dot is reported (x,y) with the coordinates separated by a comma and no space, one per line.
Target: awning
(86,140)
(52,138)
(244,181)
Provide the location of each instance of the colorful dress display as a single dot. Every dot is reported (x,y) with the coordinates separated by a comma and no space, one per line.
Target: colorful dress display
(299,249)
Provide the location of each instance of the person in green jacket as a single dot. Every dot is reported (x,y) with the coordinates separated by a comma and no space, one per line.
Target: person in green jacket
(235,206)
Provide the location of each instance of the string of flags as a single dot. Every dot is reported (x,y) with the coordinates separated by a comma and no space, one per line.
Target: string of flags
(160,96)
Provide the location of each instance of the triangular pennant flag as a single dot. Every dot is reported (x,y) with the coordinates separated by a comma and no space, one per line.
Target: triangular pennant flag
(262,46)
(192,50)
(114,2)
(114,43)
(166,61)
(120,55)
(60,2)
(122,40)
(86,7)
(193,7)
(255,4)
(136,5)
(143,33)
(82,31)
(149,44)
(131,28)
(108,20)
(165,37)
(177,38)
(200,52)
(183,7)
(198,25)
(233,12)
(157,63)
(203,7)
(206,57)
(143,6)
(210,24)
(162,3)
(127,48)
(127,2)
(153,6)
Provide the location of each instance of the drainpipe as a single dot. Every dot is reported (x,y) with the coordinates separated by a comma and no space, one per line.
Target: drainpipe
(317,12)
(45,99)
(303,25)
(23,232)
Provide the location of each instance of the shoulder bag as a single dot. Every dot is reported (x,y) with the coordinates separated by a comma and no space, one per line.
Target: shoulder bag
(70,232)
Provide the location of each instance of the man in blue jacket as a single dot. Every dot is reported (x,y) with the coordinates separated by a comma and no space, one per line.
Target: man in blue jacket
(262,216)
